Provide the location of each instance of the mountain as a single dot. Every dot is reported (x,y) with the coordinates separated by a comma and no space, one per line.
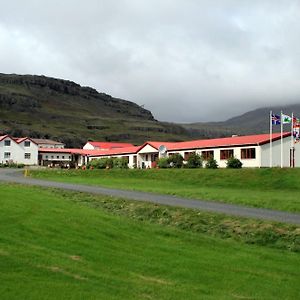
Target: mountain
(43,107)
(252,122)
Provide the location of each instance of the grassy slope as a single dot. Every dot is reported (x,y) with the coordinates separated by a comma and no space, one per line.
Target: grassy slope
(52,248)
(268,188)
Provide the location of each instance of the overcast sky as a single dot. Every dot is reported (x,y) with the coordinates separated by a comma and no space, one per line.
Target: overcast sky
(185,60)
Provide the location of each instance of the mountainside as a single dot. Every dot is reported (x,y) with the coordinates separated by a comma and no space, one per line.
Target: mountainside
(252,122)
(44,107)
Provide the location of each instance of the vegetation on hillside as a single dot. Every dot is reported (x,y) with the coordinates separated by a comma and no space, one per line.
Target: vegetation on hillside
(43,107)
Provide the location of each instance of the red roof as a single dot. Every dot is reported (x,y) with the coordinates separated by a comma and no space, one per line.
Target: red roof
(258,139)
(116,151)
(110,145)
(247,140)
(17,140)
(2,137)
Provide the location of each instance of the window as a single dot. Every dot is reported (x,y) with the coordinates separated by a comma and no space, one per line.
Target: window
(46,156)
(57,156)
(248,153)
(52,156)
(63,157)
(7,143)
(226,154)
(6,154)
(27,155)
(206,155)
(187,155)
(27,144)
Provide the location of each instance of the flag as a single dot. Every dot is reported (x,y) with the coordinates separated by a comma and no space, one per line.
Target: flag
(296,134)
(286,119)
(296,122)
(275,120)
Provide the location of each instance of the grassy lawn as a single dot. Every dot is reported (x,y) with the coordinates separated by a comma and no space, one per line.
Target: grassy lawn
(63,245)
(268,188)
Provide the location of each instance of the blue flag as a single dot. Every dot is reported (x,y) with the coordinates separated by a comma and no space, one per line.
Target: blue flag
(275,120)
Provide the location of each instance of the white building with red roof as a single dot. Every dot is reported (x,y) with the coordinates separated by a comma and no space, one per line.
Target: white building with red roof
(18,150)
(252,150)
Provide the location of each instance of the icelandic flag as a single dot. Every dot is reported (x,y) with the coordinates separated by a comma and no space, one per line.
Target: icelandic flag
(275,120)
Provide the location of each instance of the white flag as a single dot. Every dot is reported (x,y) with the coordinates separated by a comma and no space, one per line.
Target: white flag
(285,119)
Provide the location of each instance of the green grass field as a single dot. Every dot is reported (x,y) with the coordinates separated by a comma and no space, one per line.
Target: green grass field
(268,188)
(62,245)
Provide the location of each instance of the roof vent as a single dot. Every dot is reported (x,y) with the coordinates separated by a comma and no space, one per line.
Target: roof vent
(234,135)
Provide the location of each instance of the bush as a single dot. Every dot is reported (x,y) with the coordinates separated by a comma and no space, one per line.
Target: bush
(120,163)
(103,163)
(194,161)
(211,164)
(163,163)
(175,160)
(234,163)
(100,163)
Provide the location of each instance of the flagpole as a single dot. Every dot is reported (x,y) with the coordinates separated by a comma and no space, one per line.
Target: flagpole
(292,142)
(281,141)
(271,152)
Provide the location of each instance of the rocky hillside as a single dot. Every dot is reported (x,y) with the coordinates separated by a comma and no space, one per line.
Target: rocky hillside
(44,107)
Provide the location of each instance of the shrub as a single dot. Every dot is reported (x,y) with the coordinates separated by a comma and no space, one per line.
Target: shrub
(100,163)
(163,163)
(175,160)
(103,163)
(120,163)
(194,161)
(234,163)
(211,164)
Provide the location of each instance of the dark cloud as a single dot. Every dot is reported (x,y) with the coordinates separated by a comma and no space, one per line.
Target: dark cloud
(185,60)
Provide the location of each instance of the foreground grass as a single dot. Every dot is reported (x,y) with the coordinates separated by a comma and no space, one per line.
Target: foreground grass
(63,245)
(268,188)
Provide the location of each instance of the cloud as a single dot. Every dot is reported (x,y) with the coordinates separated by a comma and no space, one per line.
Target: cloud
(185,60)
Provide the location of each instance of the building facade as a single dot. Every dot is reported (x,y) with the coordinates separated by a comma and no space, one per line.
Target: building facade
(18,150)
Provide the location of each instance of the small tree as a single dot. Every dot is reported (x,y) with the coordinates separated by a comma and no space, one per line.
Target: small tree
(175,160)
(234,163)
(194,161)
(211,164)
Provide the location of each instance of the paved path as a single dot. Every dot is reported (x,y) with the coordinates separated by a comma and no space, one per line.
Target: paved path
(10,175)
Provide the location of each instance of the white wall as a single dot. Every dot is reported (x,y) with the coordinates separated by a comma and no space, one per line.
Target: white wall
(56,156)
(56,146)
(248,163)
(88,146)
(276,156)
(32,149)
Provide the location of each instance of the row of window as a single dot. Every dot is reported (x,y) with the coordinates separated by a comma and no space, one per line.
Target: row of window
(7,155)
(247,153)
(57,157)
(8,143)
